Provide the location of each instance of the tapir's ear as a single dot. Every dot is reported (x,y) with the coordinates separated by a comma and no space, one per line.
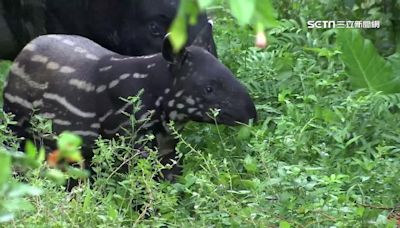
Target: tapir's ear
(168,53)
(204,38)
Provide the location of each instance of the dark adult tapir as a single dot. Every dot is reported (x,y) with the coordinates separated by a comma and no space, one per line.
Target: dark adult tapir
(78,85)
(128,27)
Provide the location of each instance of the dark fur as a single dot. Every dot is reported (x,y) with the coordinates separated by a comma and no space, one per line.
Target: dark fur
(128,27)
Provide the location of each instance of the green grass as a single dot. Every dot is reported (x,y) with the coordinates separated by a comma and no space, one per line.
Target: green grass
(320,155)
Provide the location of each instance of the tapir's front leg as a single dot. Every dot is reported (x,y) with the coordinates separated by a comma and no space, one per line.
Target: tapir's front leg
(166,147)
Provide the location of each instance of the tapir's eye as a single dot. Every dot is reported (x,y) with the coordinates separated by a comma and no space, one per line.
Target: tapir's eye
(154,28)
(208,90)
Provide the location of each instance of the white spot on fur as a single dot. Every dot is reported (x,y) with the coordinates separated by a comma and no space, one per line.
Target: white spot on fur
(171,103)
(91,56)
(52,66)
(147,56)
(113,83)
(48,115)
(106,115)
(80,50)
(158,101)
(101,88)
(180,106)
(191,110)
(106,68)
(20,72)
(124,76)
(57,37)
(67,70)
(67,105)
(37,103)
(61,122)
(190,100)
(95,125)
(86,133)
(68,42)
(82,85)
(39,59)
(166,91)
(172,115)
(151,65)
(16,99)
(30,47)
(137,75)
(114,58)
(179,93)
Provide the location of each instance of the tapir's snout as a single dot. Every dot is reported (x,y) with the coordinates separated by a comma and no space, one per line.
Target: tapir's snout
(251,112)
(248,111)
(241,110)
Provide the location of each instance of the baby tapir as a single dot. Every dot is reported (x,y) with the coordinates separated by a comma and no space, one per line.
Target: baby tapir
(78,85)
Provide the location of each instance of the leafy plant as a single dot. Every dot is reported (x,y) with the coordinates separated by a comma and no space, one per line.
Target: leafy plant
(365,67)
(258,13)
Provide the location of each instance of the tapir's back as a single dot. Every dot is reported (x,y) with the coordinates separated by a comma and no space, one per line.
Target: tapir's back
(57,69)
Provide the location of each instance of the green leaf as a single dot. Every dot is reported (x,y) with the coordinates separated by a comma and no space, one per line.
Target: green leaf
(178,33)
(203,4)
(250,164)
(266,14)
(77,173)
(244,133)
(56,176)
(5,167)
(20,190)
(284,224)
(42,155)
(242,10)
(178,30)
(395,61)
(68,141)
(6,217)
(30,150)
(365,67)
(69,146)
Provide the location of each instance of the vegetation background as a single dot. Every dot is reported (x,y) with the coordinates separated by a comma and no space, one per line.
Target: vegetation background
(325,152)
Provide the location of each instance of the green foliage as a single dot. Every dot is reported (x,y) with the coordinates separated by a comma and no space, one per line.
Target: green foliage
(365,67)
(13,193)
(69,146)
(321,155)
(258,13)
(4,66)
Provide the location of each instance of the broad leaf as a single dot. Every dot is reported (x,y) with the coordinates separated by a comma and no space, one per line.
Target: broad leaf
(365,67)
(5,167)
(242,10)
(395,61)
(203,4)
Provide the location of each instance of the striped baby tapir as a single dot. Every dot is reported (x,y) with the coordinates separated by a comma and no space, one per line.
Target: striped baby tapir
(78,85)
